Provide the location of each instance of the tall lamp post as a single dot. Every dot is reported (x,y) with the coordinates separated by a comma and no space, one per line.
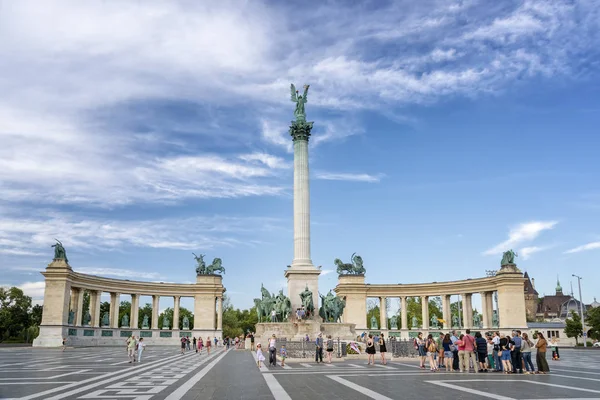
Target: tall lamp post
(581,311)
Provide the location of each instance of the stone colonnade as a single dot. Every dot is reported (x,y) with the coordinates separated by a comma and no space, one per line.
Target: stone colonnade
(64,287)
(507,285)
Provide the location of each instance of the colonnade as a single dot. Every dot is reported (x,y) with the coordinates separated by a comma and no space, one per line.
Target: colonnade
(507,286)
(466,315)
(64,292)
(95,317)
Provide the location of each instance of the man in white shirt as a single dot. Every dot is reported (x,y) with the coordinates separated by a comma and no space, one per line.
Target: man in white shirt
(496,342)
(453,339)
(273,316)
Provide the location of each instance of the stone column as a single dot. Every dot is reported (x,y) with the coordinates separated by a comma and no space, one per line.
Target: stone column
(114,310)
(302,273)
(95,296)
(72,304)
(155,300)
(403,315)
(511,301)
(176,300)
(134,314)
(383,313)
(490,309)
(468,300)
(301,203)
(425,312)
(465,316)
(77,305)
(220,313)
(484,310)
(446,311)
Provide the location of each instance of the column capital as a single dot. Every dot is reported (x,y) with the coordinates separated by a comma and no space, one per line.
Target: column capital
(300,130)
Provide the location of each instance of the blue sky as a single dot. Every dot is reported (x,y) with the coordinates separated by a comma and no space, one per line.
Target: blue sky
(445,132)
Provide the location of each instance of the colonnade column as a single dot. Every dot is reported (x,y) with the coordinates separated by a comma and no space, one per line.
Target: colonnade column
(219,313)
(490,309)
(383,313)
(114,310)
(484,310)
(155,300)
(77,305)
(73,303)
(95,308)
(135,311)
(468,301)
(176,300)
(425,312)
(465,318)
(403,315)
(446,314)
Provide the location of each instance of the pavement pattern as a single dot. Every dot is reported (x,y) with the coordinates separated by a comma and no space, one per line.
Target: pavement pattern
(104,373)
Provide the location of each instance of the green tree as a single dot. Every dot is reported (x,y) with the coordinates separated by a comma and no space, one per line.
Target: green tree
(167,313)
(15,310)
(573,327)
(373,311)
(36,315)
(592,321)
(85,309)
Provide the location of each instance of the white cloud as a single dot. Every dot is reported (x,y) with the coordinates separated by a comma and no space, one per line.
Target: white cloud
(36,231)
(527,252)
(340,176)
(121,273)
(522,233)
(326,271)
(266,159)
(585,247)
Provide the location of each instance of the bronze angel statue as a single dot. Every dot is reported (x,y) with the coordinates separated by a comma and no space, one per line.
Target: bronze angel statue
(300,100)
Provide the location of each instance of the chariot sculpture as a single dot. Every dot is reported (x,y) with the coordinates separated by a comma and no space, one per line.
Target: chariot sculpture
(354,268)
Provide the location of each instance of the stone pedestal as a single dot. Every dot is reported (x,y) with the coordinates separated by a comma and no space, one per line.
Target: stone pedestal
(297,281)
(511,301)
(298,331)
(351,288)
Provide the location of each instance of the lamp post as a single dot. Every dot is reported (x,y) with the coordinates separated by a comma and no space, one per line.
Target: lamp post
(581,311)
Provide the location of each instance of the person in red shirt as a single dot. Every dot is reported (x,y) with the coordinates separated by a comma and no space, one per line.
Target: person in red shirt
(470,355)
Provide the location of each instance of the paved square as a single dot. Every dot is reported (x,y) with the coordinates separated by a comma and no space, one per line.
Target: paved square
(104,373)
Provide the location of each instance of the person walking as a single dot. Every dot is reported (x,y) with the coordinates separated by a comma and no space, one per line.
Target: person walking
(259,355)
(131,348)
(329,348)
(283,354)
(183,344)
(194,342)
(319,348)
(273,351)
(440,349)
(64,344)
(540,358)
(140,349)
(382,349)
(420,347)
(208,344)
(252,341)
(371,350)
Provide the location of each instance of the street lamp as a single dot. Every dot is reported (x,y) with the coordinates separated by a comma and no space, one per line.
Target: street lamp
(581,311)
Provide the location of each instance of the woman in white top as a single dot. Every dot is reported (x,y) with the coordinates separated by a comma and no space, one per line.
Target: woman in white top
(140,348)
(273,351)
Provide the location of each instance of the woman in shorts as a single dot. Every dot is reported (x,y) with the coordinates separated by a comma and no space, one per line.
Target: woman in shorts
(329,349)
(208,342)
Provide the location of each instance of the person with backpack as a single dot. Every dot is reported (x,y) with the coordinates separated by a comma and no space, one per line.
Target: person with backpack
(431,352)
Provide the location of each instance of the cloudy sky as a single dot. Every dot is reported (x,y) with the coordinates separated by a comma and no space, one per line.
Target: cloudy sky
(445,132)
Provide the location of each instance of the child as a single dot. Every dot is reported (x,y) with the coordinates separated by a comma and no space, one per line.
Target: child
(259,355)
(283,354)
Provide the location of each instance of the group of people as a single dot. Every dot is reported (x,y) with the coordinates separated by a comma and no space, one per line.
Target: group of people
(197,343)
(135,348)
(495,352)
(320,344)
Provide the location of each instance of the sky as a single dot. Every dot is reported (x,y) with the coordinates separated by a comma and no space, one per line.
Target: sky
(445,132)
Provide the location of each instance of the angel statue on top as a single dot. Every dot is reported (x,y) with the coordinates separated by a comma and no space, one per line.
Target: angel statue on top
(300,100)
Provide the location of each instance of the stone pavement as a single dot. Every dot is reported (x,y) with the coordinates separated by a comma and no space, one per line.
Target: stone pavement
(104,373)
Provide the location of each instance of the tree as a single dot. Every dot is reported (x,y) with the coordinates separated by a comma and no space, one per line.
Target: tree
(593,322)
(85,309)
(15,310)
(36,315)
(574,327)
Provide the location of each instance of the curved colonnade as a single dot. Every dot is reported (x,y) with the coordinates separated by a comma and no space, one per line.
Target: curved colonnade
(64,293)
(507,287)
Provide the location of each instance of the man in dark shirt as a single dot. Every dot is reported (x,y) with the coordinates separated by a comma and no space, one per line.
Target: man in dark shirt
(251,341)
(515,352)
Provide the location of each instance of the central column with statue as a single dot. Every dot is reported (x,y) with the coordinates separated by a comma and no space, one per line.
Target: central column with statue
(298,314)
